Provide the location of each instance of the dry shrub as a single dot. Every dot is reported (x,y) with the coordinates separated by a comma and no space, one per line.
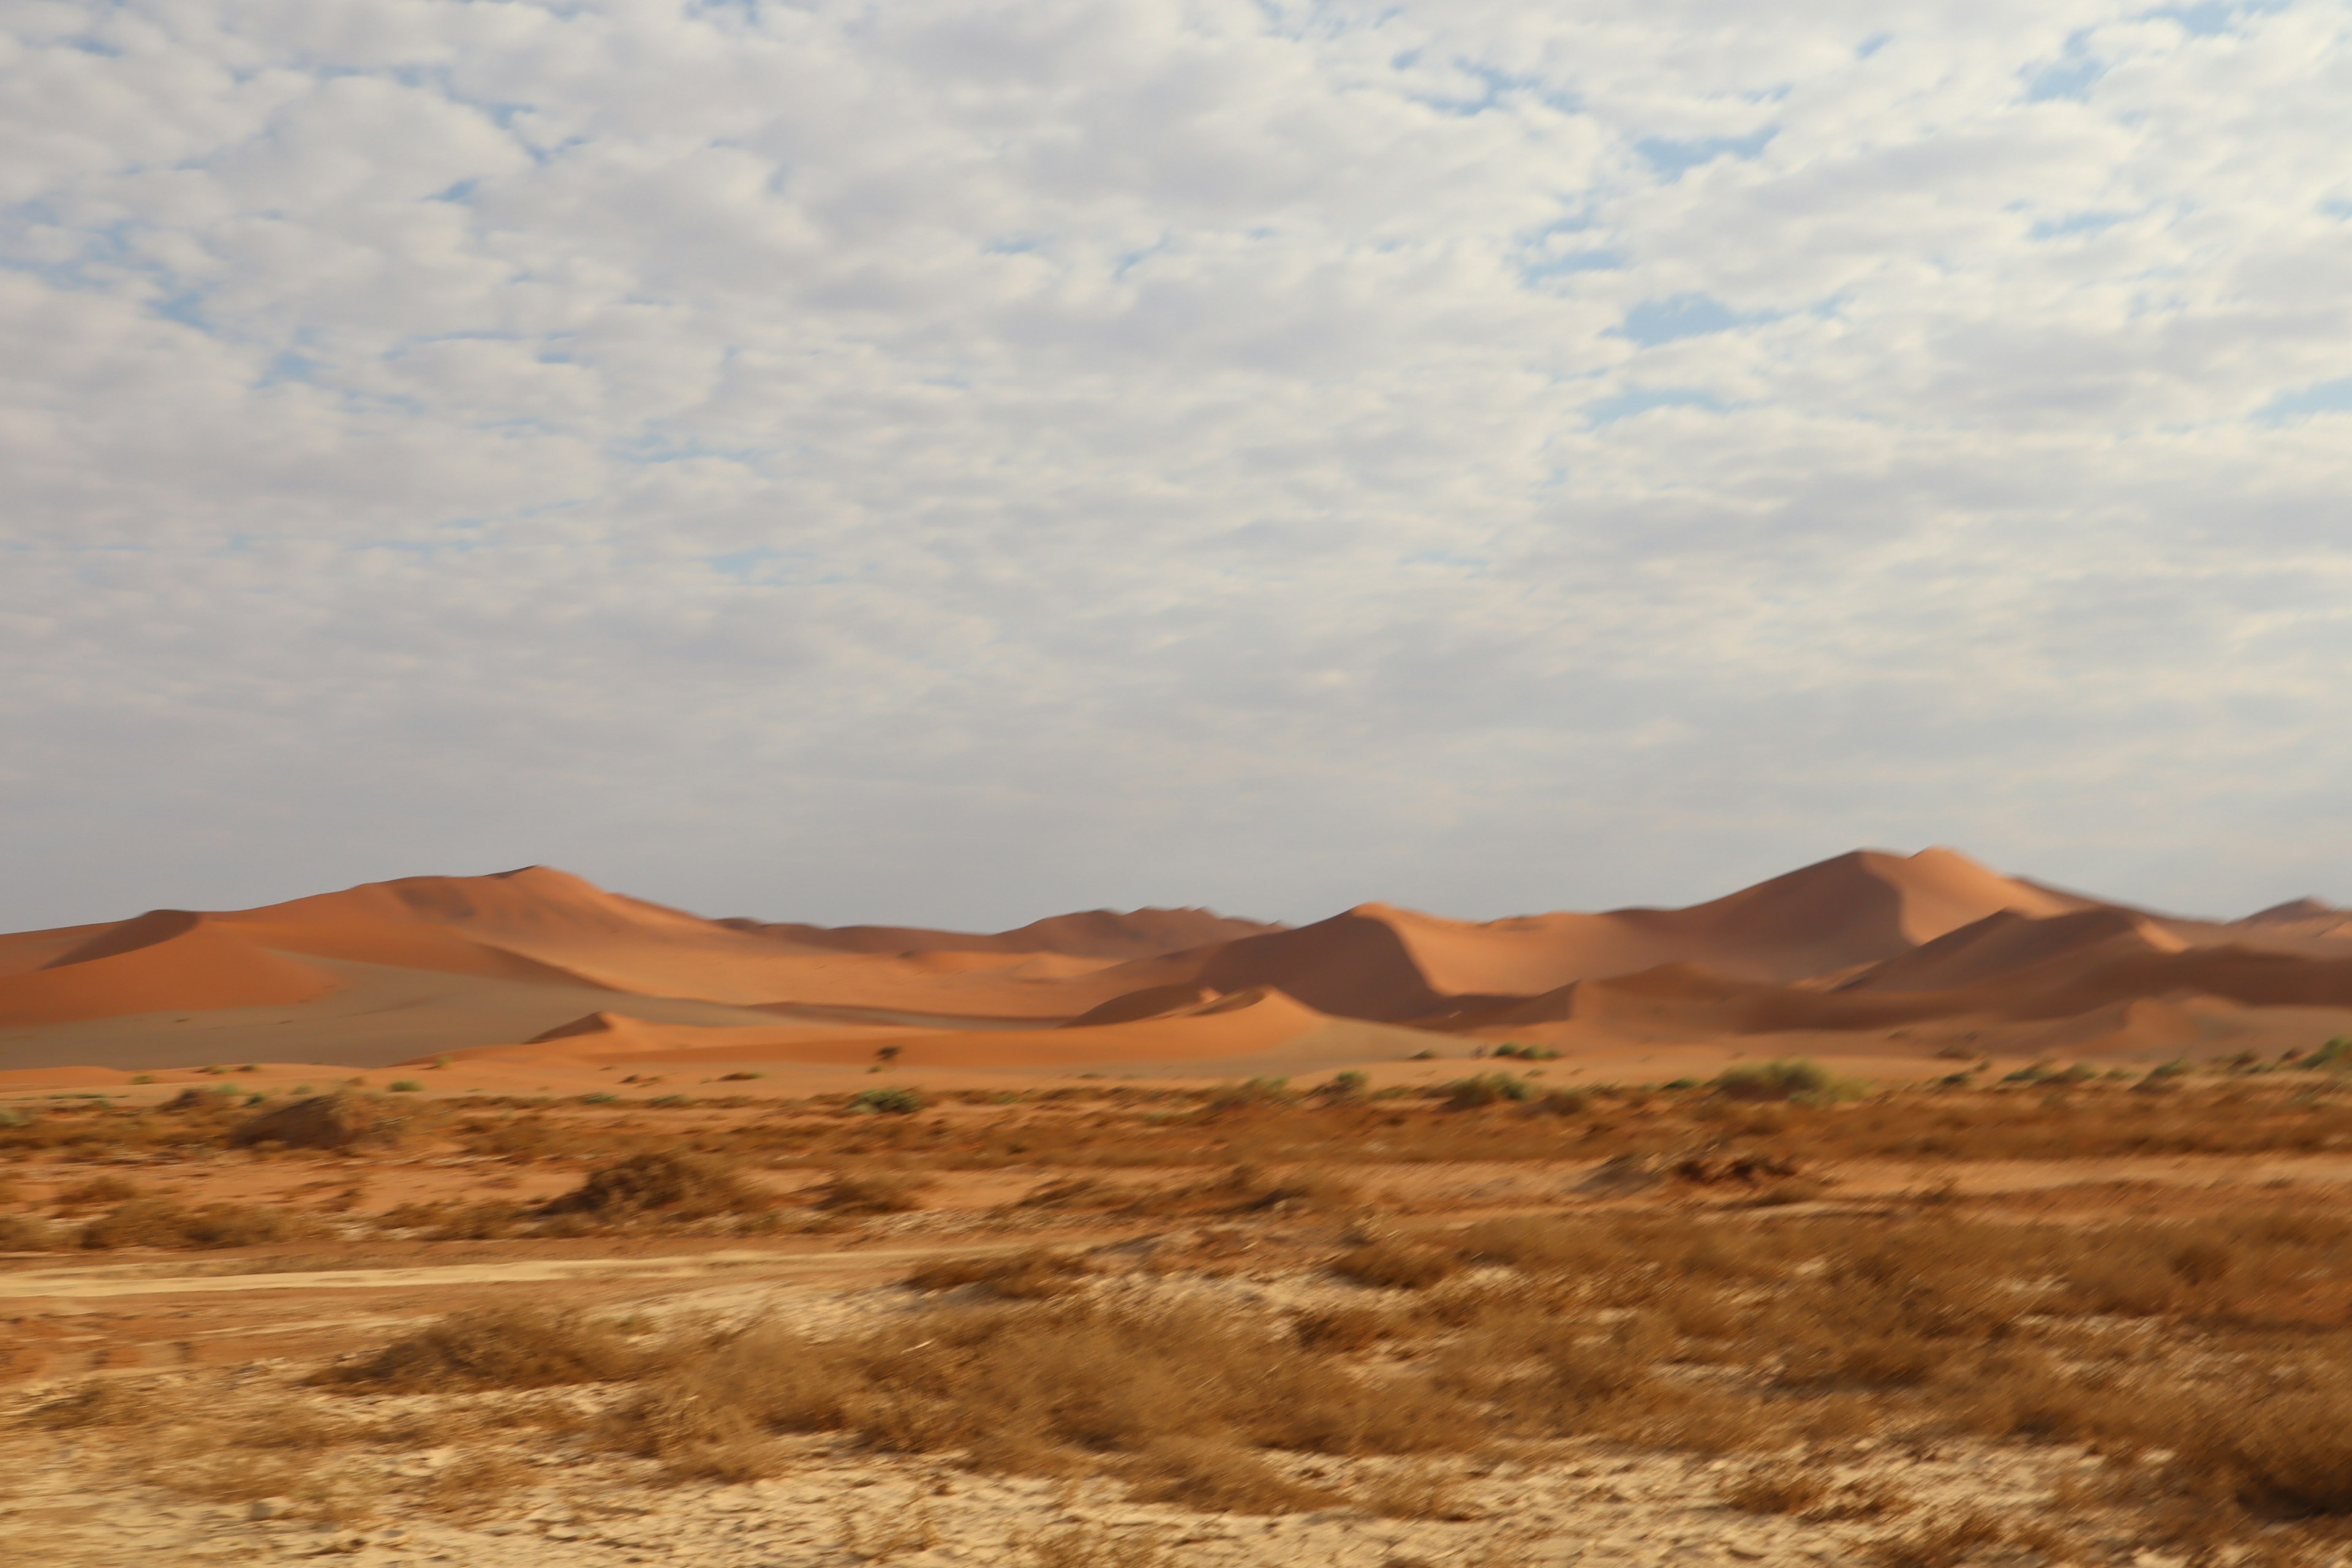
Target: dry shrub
(1026,1386)
(1394,1265)
(1782,1488)
(697,1438)
(881,1535)
(1254,1190)
(337,1120)
(21,1234)
(1417,1488)
(1032,1276)
(873,1192)
(1888,1312)
(99,1401)
(1218,1478)
(1342,1328)
(471,1483)
(1093,1546)
(1858,1499)
(1540,1246)
(2283,1453)
(1075,1192)
(2015,1394)
(661,1185)
(158,1222)
(98,1190)
(1941,1543)
(494,1347)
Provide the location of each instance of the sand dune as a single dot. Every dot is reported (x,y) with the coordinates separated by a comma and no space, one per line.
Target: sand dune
(1376,961)
(2007,944)
(154,964)
(543,965)
(1095,934)
(1235,1027)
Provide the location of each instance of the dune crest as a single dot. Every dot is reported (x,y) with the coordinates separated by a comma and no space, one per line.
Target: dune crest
(1868,942)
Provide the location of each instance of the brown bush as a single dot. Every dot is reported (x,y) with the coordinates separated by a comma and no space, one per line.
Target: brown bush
(873,1192)
(1093,1546)
(661,1185)
(2283,1452)
(696,1437)
(99,1402)
(1417,1488)
(1030,1276)
(98,1190)
(494,1347)
(1394,1265)
(1342,1328)
(1253,1189)
(337,1120)
(19,1233)
(157,1222)
(1941,1543)
(1218,1477)
(1782,1488)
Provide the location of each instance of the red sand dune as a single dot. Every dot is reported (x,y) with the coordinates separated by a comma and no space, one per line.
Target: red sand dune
(1376,961)
(1095,934)
(1868,942)
(1240,1025)
(2007,944)
(166,960)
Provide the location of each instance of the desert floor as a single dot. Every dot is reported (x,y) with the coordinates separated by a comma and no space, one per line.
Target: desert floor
(1076,1323)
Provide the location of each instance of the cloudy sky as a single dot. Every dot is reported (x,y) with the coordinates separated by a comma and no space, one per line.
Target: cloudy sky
(953,461)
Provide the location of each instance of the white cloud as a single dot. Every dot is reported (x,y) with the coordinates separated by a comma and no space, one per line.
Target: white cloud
(956,460)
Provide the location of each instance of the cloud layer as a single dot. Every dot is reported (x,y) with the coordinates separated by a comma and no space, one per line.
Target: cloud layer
(955,460)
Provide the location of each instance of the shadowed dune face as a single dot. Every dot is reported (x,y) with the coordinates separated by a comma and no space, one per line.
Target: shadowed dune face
(546,965)
(1095,934)
(197,966)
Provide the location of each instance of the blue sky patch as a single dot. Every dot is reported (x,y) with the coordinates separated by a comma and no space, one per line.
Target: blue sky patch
(2324,397)
(1654,321)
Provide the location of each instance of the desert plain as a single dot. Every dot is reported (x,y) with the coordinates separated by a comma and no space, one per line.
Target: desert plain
(1892,1212)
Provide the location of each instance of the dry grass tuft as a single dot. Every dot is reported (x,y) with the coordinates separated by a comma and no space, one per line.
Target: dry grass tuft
(99,1402)
(1035,1275)
(873,1192)
(1942,1542)
(2283,1453)
(662,1185)
(1093,1546)
(1394,1265)
(1218,1478)
(98,1190)
(158,1222)
(337,1120)
(496,1347)
(1342,1328)
(1417,1488)
(1781,1487)
(880,1535)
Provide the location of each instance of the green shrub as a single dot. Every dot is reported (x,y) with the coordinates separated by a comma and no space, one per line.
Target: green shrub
(1257,1094)
(1344,1086)
(1784,1080)
(1470,1093)
(2335,1055)
(894,1101)
(407,1086)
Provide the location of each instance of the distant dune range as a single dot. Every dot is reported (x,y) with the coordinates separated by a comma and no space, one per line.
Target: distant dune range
(1872,954)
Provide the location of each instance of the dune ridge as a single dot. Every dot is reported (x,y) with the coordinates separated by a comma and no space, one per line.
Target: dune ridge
(1867,944)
